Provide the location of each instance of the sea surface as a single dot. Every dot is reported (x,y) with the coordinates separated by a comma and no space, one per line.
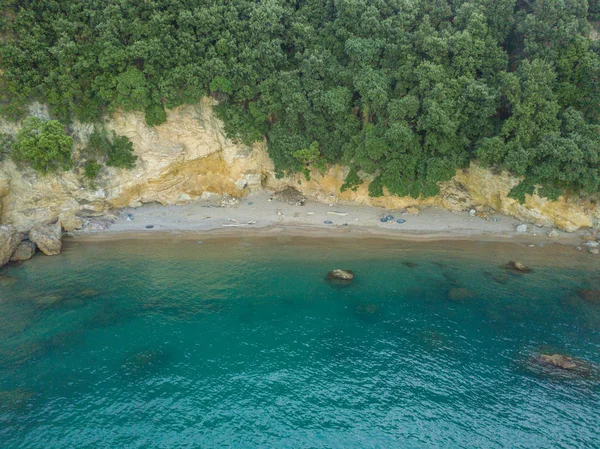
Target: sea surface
(242,343)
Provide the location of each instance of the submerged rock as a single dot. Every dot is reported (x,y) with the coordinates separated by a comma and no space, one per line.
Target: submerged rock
(409,264)
(558,361)
(145,363)
(341,275)
(24,251)
(47,238)
(367,309)
(517,266)
(7,280)
(9,241)
(589,295)
(14,399)
(459,294)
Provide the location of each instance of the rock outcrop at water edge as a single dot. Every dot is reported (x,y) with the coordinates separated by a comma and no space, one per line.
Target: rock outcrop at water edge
(24,251)
(517,266)
(48,238)
(9,241)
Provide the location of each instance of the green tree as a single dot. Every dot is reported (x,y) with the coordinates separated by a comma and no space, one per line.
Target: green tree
(43,145)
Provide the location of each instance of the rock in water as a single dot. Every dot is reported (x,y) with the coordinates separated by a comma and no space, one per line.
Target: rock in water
(24,251)
(518,266)
(558,361)
(342,275)
(47,238)
(9,241)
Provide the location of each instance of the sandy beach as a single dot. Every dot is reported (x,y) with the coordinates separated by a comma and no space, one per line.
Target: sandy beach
(264,213)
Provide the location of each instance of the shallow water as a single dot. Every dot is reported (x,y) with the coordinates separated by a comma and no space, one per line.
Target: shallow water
(243,344)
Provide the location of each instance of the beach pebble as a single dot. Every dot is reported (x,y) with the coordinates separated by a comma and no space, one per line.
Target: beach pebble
(553,234)
(149,227)
(279,213)
(578,248)
(129,217)
(250,203)
(472,212)
(400,221)
(592,244)
(328,222)
(521,228)
(594,251)
(495,219)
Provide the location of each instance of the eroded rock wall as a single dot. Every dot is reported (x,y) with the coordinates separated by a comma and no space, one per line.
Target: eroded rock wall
(189,156)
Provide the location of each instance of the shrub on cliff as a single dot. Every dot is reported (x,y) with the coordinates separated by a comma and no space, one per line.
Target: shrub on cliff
(43,145)
(6,142)
(116,151)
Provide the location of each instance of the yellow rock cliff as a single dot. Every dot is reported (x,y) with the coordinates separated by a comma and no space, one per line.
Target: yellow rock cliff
(189,156)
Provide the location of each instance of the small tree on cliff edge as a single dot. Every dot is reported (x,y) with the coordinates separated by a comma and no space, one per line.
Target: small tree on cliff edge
(43,145)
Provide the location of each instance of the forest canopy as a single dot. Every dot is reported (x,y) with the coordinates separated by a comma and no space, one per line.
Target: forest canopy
(406,91)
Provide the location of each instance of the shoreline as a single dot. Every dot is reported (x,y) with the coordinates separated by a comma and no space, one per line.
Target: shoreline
(263,215)
(318,233)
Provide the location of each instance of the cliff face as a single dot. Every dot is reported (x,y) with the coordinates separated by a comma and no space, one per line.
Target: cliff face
(189,157)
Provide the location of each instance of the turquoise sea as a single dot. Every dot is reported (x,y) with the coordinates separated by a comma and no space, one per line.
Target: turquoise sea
(242,343)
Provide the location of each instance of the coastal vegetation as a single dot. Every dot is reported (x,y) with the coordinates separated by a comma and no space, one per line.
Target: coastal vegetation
(403,92)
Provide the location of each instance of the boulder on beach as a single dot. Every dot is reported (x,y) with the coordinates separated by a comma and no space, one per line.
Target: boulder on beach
(522,228)
(24,251)
(48,238)
(558,361)
(340,275)
(291,196)
(70,222)
(517,266)
(9,241)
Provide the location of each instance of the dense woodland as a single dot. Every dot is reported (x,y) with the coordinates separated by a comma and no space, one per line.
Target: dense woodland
(406,91)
